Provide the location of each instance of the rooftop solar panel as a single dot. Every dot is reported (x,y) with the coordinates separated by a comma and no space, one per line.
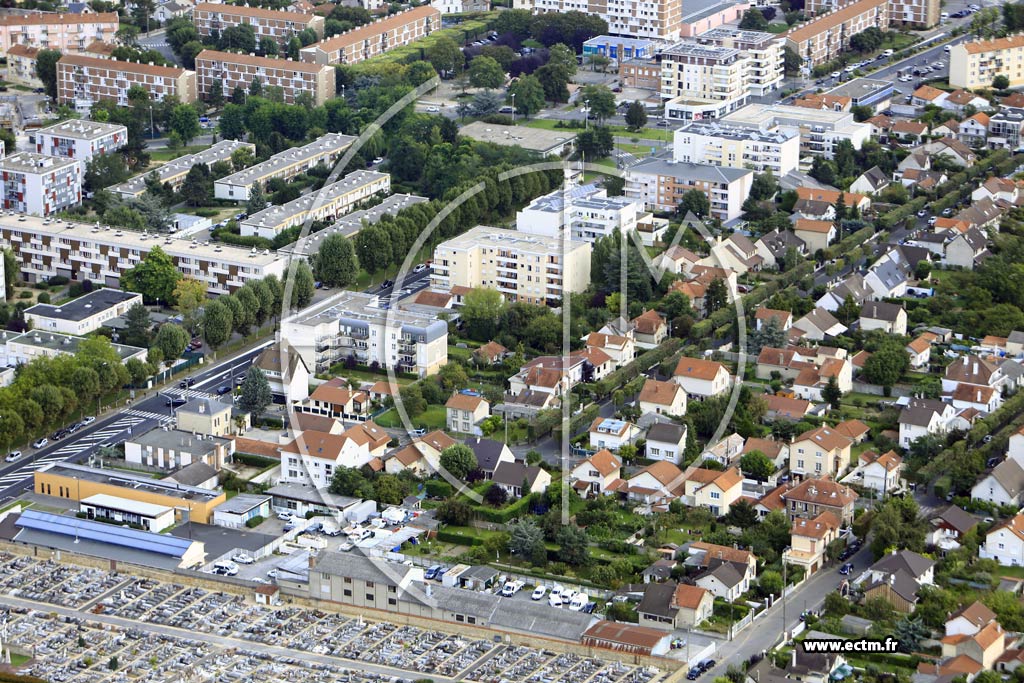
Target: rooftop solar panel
(163,544)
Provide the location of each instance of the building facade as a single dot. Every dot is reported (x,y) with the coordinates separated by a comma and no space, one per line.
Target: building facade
(764,51)
(82,81)
(820,130)
(822,39)
(80,140)
(53,31)
(528,268)
(284,165)
(661,183)
(721,145)
(83,315)
(173,173)
(231,71)
(703,81)
(374,39)
(213,18)
(976,64)
(38,184)
(21,66)
(586,211)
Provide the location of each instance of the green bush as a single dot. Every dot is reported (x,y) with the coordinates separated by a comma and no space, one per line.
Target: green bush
(256,460)
(43,298)
(272,423)
(57,281)
(437,488)
(446,536)
(505,514)
(254,522)
(24,294)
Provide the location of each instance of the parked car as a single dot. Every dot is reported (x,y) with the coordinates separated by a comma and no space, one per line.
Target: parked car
(378,160)
(88,420)
(285,515)
(431,572)
(225,389)
(290,526)
(242,558)
(186,383)
(59,434)
(40,442)
(420,267)
(846,569)
(706,664)
(694,673)
(12,456)
(539,592)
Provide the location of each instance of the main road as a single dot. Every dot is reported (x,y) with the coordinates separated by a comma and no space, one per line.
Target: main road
(140,415)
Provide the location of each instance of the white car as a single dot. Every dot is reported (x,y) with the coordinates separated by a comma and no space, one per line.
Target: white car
(835,74)
(539,592)
(554,600)
(378,160)
(12,456)
(433,110)
(578,602)
(88,420)
(285,516)
(40,443)
(272,573)
(242,558)
(420,267)
(260,579)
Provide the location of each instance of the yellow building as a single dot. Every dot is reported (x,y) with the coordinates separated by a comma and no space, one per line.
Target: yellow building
(809,541)
(975,65)
(823,38)
(530,268)
(78,482)
(205,416)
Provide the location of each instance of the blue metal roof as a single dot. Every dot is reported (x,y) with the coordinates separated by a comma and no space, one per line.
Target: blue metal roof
(164,544)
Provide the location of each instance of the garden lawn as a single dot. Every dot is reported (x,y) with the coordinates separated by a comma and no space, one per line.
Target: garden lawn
(168,154)
(433,418)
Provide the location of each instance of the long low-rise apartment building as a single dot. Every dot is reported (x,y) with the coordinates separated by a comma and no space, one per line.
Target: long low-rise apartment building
(324,204)
(820,129)
(376,38)
(353,325)
(228,70)
(706,142)
(19,349)
(213,18)
(822,39)
(21,66)
(80,139)
(976,64)
(83,315)
(173,173)
(911,13)
(64,32)
(283,165)
(39,184)
(660,184)
(82,81)
(80,251)
(533,269)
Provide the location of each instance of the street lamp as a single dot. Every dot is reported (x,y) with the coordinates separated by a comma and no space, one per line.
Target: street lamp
(513,107)
(586,108)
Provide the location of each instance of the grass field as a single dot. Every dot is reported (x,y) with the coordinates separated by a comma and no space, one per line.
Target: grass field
(168,154)
(432,418)
(620,131)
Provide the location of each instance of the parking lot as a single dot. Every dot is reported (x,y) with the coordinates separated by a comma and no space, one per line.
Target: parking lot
(167,626)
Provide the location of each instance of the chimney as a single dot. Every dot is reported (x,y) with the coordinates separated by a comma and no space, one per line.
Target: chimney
(202,408)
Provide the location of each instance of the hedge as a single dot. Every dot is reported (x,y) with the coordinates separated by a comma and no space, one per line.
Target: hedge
(620,377)
(256,460)
(255,522)
(457,538)
(502,515)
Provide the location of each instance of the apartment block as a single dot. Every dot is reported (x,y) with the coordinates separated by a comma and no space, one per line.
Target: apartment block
(661,20)
(213,18)
(764,51)
(587,212)
(976,64)
(910,13)
(1006,128)
(80,251)
(325,204)
(54,31)
(705,142)
(173,172)
(21,66)
(352,324)
(231,71)
(820,129)
(83,81)
(533,269)
(80,139)
(661,183)
(283,165)
(702,81)
(820,40)
(459,6)
(374,39)
(640,73)
(39,185)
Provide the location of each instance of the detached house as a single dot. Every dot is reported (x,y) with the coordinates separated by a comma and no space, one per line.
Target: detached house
(816,234)
(969,620)
(464,413)
(973,370)
(820,452)
(920,352)
(286,385)
(1002,486)
(882,473)
(725,580)
(489,454)
(670,606)
(809,539)
(606,432)
(871,181)
(519,479)
(662,398)
(818,325)
(1004,543)
(878,315)
(656,483)
(985,647)
(650,329)
(765,316)
(666,441)
(620,348)
(334,399)
(898,577)
(811,497)
(949,526)
(700,378)
(713,489)
(973,131)
(600,474)
(924,416)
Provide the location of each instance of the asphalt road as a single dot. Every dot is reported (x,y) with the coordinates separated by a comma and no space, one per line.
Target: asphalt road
(413,282)
(141,415)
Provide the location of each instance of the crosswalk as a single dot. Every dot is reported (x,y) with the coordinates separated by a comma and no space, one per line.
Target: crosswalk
(128,419)
(187,393)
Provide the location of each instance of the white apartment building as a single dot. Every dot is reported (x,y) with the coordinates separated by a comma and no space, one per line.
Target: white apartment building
(819,129)
(80,251)
(530,268)
(63,32)
(80,139)
(703,81)
(327,203)
(718,144)
(284,165)
(587,210)
(976,64)
(764,51)
(38,184)
(352,324)
(173,172)
(661,183)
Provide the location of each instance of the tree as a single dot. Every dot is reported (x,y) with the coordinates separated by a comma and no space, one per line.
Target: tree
(137,324)
(897,523)
(335,264)
(910,631)
(526,540)
(303,285)
(481,311)
(886,365)
(257,200)
(412,399)
(769,583)
(217,323)
(184,120)
(240,38)
(46,70)
(485,72)
(255,395)
(573,545)
(103,170)
(189,294)
(155,276)
(716,296)
(197,188)
(753,20)
(695,202)
(496,495)
(771,335)
(600,101)
(1001,82)
(138,371)
(757,465)
(832,394)
(458,460)
(636,115)
(595,143)
(791,61)
(502,54)
(374,249)
(171,339)
(350,481)
(598,62)
(528,95)
(454,511)
(445,56)
(485,102)
(849,310)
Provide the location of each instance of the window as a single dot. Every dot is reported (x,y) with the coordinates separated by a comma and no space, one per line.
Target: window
(369,596)
(459,617)
(392,601)
(347,592)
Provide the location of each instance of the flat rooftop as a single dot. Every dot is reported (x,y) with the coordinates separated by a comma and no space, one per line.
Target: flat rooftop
(85,306)
(33,226)
(55,341)
(691,48)
(534,139)
(177,440)
(361,309)
(331,143)
(695,10)
(767,116)
(351,223)
(109,502)
(680,169)
(128,480)
(861,88)
(82,129)
(718,130)
(30,162)
(220,151)
(242,503)
(218,540)
(295,211)
(583,196)
(618,40)
(738,35)
(493,238)
(308,494)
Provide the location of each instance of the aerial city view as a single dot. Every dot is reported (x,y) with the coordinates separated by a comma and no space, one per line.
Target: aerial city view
(512,341)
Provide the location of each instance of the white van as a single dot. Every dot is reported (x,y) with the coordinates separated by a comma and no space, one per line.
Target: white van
(887,53)
(225,567)
(578,602)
